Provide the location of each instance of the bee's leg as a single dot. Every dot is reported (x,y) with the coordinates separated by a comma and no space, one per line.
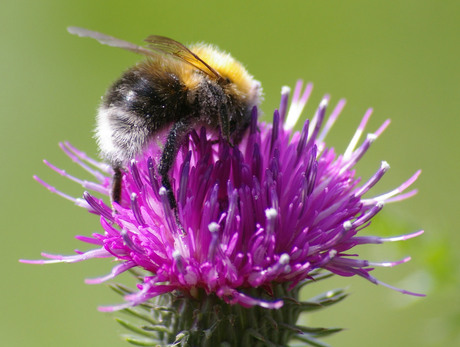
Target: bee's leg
(224,123)
(116,184)
(242,127)
(173,142)
(165,181)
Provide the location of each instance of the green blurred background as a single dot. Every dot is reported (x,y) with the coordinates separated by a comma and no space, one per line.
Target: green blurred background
(400,57)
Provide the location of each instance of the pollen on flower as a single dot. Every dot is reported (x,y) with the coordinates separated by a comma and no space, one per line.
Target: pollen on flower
(273,209)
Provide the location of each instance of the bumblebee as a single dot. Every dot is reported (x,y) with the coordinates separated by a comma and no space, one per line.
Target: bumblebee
(175,89)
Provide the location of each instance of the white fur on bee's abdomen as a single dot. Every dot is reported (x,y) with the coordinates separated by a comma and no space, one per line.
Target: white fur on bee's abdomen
(121,136)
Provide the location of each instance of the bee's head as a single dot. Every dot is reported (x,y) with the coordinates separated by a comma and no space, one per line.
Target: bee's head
(233,77)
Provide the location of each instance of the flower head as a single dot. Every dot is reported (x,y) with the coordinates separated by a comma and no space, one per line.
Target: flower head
(271,210)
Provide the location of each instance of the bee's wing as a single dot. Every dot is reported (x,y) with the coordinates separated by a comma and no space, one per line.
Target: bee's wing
(169,46)
(110,41)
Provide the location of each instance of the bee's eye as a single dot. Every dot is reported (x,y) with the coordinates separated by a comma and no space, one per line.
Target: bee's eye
(228,80)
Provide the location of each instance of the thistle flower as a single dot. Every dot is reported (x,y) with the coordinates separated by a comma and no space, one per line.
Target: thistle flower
(254,222)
